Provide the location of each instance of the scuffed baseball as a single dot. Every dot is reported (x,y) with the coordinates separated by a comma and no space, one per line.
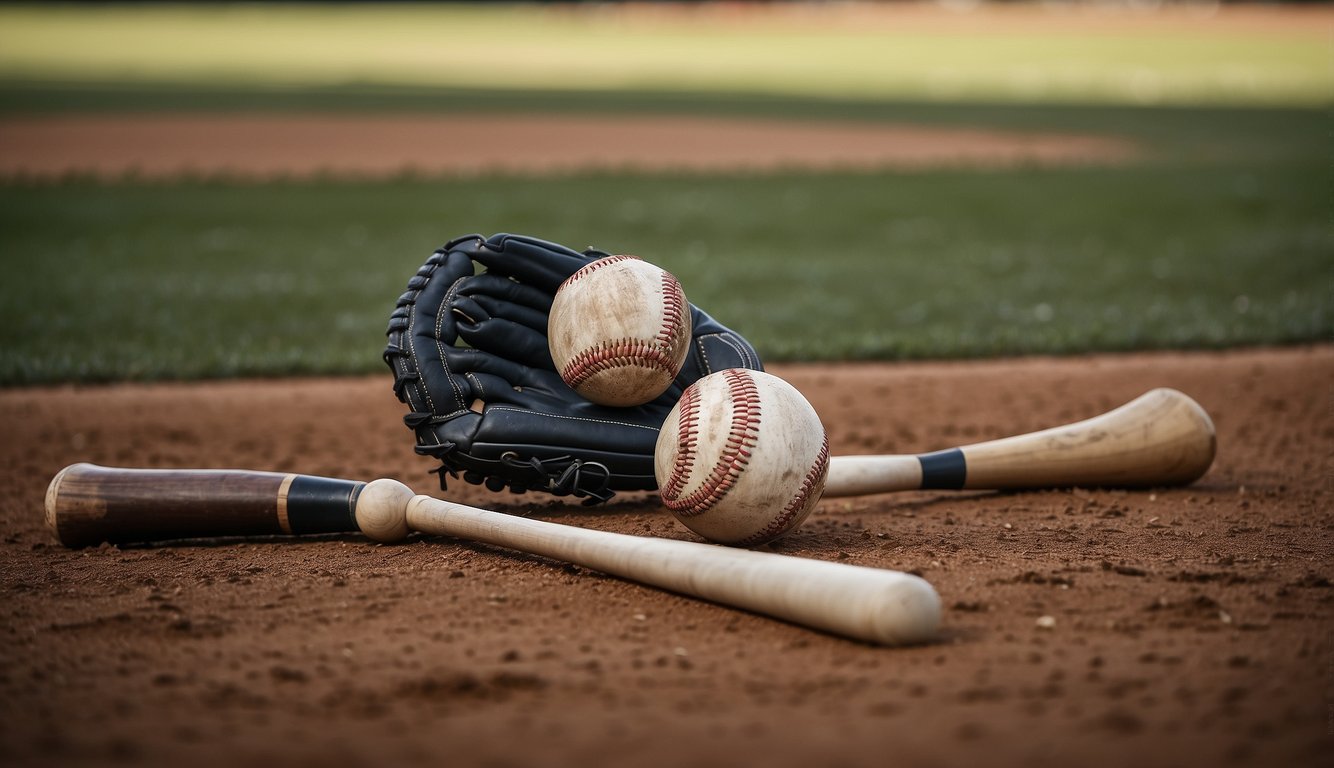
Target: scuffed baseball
(742,458)
(619,331)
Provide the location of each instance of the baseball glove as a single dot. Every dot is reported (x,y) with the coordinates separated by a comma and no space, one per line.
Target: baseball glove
(469,354)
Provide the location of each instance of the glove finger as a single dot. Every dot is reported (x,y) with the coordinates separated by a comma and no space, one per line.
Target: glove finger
(505,338)
(428,293)
(488,320)
(467,311)
(469,363)
(533,319)
(528,300)
(422,331)
(493,389)
(466,376)
(529,260)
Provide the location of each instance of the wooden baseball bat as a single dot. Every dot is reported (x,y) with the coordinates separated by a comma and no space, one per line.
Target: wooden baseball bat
(1161,438)
(87,504)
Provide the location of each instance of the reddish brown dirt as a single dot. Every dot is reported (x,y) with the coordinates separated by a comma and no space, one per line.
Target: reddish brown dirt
(1192,625)
(262,146)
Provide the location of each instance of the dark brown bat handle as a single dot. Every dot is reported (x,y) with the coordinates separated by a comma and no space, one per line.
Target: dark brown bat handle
(87,504)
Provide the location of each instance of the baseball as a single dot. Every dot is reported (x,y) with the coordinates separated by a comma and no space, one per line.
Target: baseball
(742,458)
(619,331)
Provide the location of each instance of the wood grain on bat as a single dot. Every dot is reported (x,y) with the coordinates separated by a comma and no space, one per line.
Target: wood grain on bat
(1161,438)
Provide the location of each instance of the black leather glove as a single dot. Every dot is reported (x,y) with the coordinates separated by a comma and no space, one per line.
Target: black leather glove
(470,359)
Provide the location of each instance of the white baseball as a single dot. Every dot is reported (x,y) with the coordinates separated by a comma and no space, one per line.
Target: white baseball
(619,331)
(742,458)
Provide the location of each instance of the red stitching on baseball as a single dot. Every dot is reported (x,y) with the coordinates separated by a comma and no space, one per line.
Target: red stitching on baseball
(741,437)
(594,266)
(686,441)
(673,331)
(813,478)
(617,354)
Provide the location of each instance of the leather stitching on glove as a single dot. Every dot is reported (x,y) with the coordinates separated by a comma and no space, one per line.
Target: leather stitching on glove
(611,422)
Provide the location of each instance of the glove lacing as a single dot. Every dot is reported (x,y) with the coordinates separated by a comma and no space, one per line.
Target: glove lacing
(559,475)
(584,479)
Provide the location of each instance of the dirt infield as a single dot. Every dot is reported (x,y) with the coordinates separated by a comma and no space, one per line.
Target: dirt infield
(266,146)
(1191,625)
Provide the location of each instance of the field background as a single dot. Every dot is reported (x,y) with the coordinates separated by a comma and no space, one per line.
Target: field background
(1217,235)
(1082,626)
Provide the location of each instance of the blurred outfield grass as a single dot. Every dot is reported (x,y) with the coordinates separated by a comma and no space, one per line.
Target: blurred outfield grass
(1219,237)
(1024,53)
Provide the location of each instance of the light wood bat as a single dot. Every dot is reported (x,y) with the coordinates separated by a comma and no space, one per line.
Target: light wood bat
(1160,438)
(87,504)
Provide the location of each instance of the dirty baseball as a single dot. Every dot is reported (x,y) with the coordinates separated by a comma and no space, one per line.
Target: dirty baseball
(619,331)
(742,458)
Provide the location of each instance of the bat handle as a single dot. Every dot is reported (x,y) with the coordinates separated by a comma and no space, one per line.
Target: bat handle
(88,504)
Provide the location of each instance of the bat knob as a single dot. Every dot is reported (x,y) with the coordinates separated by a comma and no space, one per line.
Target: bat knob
(382,510)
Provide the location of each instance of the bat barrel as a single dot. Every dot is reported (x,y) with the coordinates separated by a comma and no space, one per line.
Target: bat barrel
(869,604)
(1161,438)
(87,504)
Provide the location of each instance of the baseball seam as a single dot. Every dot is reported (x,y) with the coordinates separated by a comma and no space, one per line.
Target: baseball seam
(819,468)
(616,354)
(672,332)
(732,460)
(687,422)
(592,267)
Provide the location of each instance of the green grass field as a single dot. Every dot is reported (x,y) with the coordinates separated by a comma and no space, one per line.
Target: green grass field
(214,279)
(1219,237)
